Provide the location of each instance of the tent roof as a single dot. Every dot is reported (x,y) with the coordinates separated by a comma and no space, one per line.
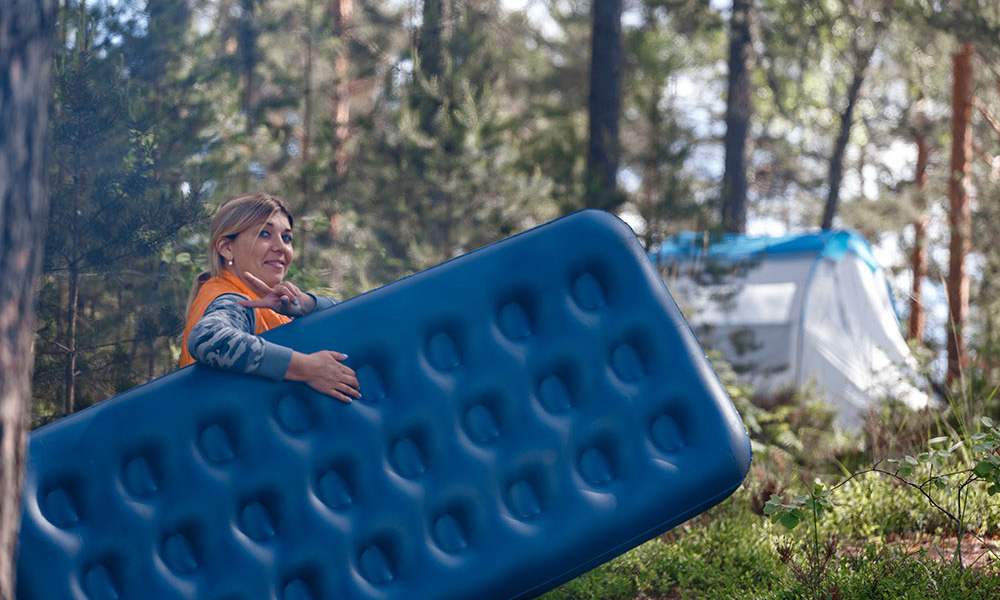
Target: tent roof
(735,247)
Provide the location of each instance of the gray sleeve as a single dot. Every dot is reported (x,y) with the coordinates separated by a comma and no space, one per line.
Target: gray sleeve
(224,339)
(322,302)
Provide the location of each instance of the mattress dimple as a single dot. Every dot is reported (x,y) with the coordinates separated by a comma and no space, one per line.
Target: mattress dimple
(60,505)
(529,410)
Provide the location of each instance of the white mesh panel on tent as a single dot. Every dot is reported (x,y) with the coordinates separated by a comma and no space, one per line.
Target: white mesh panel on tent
(810,309)
(851,345)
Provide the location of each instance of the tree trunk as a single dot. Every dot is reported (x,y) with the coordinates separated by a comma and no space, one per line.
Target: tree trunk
(153,302)
(69,375)
(340,104)
(604,104)
(73,274)
(840,148)
(27,30)
(959,217)
(430,54)
(738,111)
(247,32)
(918,257)
(305,149)
(652,177)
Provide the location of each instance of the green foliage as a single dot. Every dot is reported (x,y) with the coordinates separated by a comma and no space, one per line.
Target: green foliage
(730,553)
(115,202)
(878,572)
(943,477)
(987,462)
(724,554)
(430,187)
(661,143)
(789,514)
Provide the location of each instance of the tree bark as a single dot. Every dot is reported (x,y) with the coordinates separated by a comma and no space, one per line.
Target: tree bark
(959,216)
(340,104)
(69,375)
(247,32)
(738,111)
(604,104)
(652,177)
(430,53)
(918,256)
(305,150)
(840,148)
(862,60)
(27,31)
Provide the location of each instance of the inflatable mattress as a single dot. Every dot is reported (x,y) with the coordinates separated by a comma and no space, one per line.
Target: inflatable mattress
(530,410)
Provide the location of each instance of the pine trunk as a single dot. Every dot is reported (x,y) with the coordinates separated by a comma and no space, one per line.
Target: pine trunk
(247,32)
(918,257)
(959,217)
(652,179)
(840,148)
(604,104)
(69,375)
(340,107)
(27,30)
(73,274)
(738,110)
(305,175)
(430,56)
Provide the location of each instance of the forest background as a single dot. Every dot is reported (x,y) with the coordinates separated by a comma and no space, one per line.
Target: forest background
(406,133)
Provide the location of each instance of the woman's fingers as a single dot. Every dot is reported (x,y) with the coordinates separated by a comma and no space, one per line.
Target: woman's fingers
(324,372)
(261,288)
(339,396)
(339,380)
(284,297)
(267,297)
(258,303)
(343,392)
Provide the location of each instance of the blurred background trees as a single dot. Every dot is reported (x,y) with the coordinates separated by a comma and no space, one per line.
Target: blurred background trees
(406,133)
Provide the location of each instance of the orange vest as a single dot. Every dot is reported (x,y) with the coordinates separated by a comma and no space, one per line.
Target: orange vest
(227,283)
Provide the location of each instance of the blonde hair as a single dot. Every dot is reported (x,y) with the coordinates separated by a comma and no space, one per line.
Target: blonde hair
(236,215)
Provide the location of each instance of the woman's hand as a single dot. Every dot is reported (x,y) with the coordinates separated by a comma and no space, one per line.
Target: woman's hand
(284,298)
(325,373)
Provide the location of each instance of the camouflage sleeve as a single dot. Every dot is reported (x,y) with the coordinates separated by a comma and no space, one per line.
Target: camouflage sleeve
(224,339)
(322,302)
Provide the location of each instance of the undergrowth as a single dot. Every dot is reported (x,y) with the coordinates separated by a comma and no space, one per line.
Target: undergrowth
(731,552)
(929,473)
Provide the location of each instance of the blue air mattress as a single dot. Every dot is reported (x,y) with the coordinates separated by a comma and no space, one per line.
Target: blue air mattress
(529,410)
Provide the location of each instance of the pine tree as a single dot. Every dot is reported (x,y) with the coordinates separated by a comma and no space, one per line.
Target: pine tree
(738,112)
(431,183)
(863,47)
(604,106)
(114,204)
(959,214)
(659,145)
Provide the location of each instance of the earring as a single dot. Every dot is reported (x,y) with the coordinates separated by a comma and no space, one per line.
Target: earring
(230,263)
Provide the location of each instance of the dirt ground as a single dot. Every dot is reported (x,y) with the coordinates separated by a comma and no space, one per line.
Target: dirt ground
(976,552)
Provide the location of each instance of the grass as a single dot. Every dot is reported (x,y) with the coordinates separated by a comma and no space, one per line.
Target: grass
(732,552)
(718,554)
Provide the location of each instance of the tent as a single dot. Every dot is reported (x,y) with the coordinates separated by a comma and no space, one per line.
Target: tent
(795,310)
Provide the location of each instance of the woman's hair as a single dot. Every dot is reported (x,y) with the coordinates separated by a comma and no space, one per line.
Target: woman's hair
(235,216)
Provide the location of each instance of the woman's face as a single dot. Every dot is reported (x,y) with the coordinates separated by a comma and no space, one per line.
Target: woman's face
(267,255)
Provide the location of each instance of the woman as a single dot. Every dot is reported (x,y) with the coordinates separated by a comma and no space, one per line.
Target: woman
(244,294)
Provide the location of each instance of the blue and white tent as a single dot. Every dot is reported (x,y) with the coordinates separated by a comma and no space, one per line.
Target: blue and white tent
(796,310)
